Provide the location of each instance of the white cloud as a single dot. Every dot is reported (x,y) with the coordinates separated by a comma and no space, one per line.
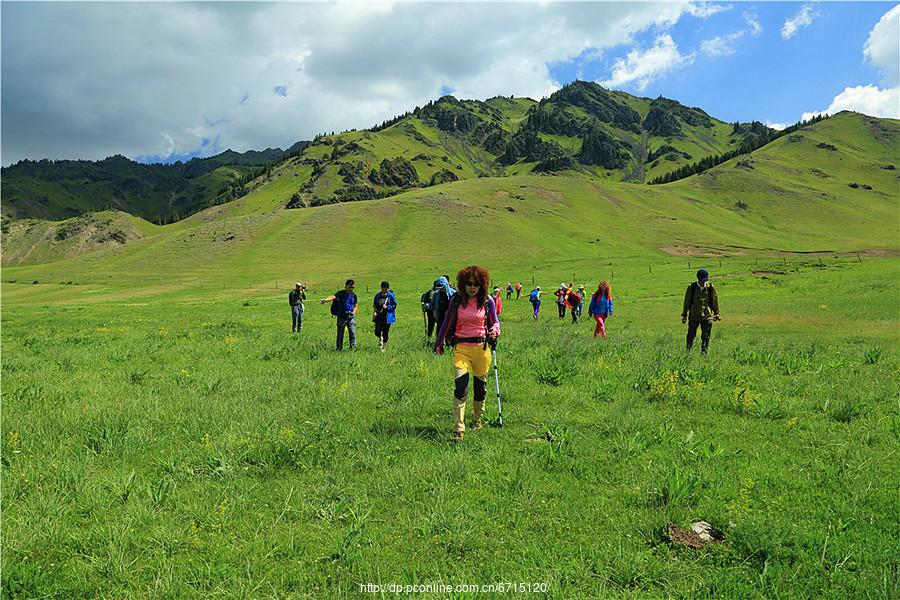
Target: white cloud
(776,126)
(802,19)
(641,67)
(706,9)
(882,47)
(722,45)
(753,23)
(88,80)
(866,99)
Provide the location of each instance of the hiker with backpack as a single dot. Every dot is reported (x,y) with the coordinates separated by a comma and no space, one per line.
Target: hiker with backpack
(295,298)
(518,289)
(700,309)
(428,312)
(581,295)
(498,302)
(509,290)
(601,307)
(441,300)
(384,308)
(573,301)
(561,292)
(535,298)
(343,306)
(471,327)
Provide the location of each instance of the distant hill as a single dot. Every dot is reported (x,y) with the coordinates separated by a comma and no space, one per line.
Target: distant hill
(582,128)
(830,187)
(160,193)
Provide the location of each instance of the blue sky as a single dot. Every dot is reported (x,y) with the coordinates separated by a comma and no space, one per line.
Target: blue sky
(767,77)
(162,81)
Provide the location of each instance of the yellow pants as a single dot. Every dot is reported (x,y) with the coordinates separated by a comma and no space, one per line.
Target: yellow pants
(474,359)
(466,359)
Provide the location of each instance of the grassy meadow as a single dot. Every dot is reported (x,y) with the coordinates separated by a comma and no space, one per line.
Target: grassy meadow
(164,435)
(186,444)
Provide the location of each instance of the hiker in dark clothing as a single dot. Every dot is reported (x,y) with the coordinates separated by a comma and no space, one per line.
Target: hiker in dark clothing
(573,303)
(701,308)
(440,302)
(509,290)
(343,306)
(383,313)
(295,298)
(428,312)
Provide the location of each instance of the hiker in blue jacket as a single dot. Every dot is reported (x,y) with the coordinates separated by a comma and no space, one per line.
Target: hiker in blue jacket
(384,309)
(441,299)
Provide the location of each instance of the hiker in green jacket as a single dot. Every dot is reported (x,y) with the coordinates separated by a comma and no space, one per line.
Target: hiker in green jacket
(701,308)
(296,298)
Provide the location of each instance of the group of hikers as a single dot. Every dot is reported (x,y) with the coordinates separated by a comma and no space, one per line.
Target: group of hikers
(467,319)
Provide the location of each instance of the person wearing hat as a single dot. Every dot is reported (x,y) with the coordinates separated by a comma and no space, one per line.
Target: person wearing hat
(581,294)
(561,293)
(701,308)
(295,298)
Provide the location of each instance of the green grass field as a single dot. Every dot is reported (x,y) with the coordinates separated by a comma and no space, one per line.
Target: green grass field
(164,435)
(183,444)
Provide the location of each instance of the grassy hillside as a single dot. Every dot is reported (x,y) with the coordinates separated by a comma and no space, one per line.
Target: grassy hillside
(791,196)
(581,128)
(162,193)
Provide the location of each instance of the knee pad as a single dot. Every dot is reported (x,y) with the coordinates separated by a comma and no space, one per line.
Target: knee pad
(462,386)
(480,389)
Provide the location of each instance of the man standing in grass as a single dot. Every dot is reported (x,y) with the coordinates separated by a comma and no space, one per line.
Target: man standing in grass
(343,306)
(295,299)
(701,308)
(518,289)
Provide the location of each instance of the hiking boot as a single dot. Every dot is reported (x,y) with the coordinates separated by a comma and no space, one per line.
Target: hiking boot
(457,436)
(478,415)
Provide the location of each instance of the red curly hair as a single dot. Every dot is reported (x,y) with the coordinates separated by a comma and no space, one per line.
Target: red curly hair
(604,289)
(472,273)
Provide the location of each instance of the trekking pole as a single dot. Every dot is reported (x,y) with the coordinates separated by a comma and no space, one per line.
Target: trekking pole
(497,382)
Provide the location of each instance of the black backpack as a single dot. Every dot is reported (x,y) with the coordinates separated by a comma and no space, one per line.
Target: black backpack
(337,305)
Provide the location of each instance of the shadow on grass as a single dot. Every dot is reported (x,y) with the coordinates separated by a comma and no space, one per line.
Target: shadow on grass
(425,432)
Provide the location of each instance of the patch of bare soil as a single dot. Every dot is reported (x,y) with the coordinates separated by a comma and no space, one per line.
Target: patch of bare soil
(550,196)
(705,251)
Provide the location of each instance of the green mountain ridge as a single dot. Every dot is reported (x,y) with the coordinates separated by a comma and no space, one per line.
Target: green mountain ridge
(582,127)
(161,193)
(831,187)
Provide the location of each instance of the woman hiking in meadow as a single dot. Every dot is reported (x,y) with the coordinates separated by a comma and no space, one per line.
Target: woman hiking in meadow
(498,301)
(471,326)
(383,313)
(601,307)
